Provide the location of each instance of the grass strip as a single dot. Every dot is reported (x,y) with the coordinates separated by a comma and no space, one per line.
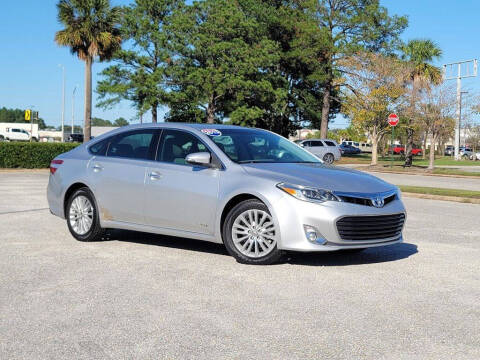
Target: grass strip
(470,194)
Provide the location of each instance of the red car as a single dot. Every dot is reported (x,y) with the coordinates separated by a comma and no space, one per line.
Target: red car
(400,149)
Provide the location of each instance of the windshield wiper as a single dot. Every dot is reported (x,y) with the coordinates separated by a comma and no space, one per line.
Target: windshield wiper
(253,161)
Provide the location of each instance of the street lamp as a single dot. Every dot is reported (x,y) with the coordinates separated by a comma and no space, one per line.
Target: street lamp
(63,101)
(73,107)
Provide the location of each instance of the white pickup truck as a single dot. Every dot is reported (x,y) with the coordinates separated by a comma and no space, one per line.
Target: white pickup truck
(15,134)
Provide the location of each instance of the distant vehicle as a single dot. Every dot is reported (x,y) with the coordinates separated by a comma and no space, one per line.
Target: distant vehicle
(449,150)
(366,147)
(352,143)
(325,149)
(75,138)
(465,152)
(15,134)
(349,150)
(400,149)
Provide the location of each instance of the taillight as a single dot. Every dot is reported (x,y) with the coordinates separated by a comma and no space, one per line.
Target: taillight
(53,166)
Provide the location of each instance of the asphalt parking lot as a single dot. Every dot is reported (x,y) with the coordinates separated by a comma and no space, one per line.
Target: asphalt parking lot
(141,296)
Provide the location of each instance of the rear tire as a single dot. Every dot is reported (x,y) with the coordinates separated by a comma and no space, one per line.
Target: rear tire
(82,216)
(328,158)
(250,235)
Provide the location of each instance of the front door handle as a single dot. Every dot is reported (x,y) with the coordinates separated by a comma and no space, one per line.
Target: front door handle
(97,167)
(155,175)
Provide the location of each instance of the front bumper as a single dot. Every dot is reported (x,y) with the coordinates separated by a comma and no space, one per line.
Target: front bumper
(293,214)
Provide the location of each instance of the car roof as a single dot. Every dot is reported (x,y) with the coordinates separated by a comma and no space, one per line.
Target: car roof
(179,125)
(320,140)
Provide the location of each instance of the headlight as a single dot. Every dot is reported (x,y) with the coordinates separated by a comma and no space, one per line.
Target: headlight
(307,193)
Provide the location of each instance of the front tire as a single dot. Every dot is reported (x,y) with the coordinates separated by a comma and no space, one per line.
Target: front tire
(250,234)
(82,216)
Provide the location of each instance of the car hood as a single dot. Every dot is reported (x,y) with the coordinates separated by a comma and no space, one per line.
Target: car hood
(319,175)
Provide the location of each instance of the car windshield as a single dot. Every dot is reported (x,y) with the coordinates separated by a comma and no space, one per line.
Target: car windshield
(257,146)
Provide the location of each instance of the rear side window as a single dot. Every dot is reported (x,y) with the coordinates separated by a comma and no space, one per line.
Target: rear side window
(138,144)
(330,143)
(99,148)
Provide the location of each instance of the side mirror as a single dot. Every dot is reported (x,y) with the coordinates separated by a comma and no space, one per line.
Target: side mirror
(199,158)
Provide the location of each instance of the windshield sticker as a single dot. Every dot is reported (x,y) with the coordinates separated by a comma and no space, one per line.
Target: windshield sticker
(212,132)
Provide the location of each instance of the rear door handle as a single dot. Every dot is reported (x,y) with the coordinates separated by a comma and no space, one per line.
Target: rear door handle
(97,167)
(155,175)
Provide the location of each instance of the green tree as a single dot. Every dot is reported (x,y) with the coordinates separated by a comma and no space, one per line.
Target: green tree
(139,74)
(18,116)
(376,89)
(419,53)
(120,122)
(220,51)
(352,26)
(91,31)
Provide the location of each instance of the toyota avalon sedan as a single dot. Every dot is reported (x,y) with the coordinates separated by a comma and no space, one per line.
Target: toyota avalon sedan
(250,189)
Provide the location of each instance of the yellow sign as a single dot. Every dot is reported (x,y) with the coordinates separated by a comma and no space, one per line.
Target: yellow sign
(28,115)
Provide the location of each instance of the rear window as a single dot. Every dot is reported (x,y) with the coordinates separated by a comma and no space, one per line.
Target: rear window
(330,143)
(100,148)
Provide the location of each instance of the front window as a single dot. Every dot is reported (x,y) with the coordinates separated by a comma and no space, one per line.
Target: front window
(252,145)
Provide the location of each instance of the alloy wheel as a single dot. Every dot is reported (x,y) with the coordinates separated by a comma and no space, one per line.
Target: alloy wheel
(254,233)
(81,215)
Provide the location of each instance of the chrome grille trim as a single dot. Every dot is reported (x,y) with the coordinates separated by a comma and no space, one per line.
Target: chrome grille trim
(366,199)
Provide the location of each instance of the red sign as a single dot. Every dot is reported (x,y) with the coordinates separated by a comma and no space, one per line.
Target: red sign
(393,119)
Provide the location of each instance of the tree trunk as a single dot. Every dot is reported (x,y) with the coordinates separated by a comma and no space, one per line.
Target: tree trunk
(374,137)
(211,110)
(424,150)
(431,162)
(325,109)
(87,122)
(410,131)
(154,112)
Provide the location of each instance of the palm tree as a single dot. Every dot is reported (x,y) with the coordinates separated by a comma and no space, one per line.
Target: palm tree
(420,53)
(91,32)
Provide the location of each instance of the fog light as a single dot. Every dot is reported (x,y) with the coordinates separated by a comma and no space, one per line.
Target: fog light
(313,235)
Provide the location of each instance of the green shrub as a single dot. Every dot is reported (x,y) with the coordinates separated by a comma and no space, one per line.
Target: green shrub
(31,155)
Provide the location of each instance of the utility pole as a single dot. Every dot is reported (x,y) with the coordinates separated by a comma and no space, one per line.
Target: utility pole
(73,108)
(63,101)
(459,70)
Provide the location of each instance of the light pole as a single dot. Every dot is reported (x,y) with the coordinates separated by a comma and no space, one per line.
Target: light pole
(63,101)
(459,70)
(32,117)
(73,108)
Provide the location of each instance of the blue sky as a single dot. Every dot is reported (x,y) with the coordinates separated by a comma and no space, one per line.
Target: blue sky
(29,58)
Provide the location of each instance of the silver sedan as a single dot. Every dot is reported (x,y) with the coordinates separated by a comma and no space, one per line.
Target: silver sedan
(250,189)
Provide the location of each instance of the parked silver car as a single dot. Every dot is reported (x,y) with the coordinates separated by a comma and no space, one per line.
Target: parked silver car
(250,189)
(325,149)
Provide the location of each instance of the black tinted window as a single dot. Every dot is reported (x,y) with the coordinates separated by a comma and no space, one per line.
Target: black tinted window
(316,143)
(138,144)
(99,148)
(176,145)
(329,143)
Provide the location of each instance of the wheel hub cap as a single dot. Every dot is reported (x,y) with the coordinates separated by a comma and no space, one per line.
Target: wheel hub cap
(81,215)
(254,233)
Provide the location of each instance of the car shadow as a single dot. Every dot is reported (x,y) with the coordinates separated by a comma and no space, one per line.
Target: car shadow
(335,258)
(166,241)
(343,258)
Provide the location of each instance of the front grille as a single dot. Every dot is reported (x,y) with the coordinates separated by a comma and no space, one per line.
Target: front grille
(364,228)
(364,200)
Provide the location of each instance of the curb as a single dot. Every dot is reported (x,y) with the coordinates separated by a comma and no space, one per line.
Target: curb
(442,197)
